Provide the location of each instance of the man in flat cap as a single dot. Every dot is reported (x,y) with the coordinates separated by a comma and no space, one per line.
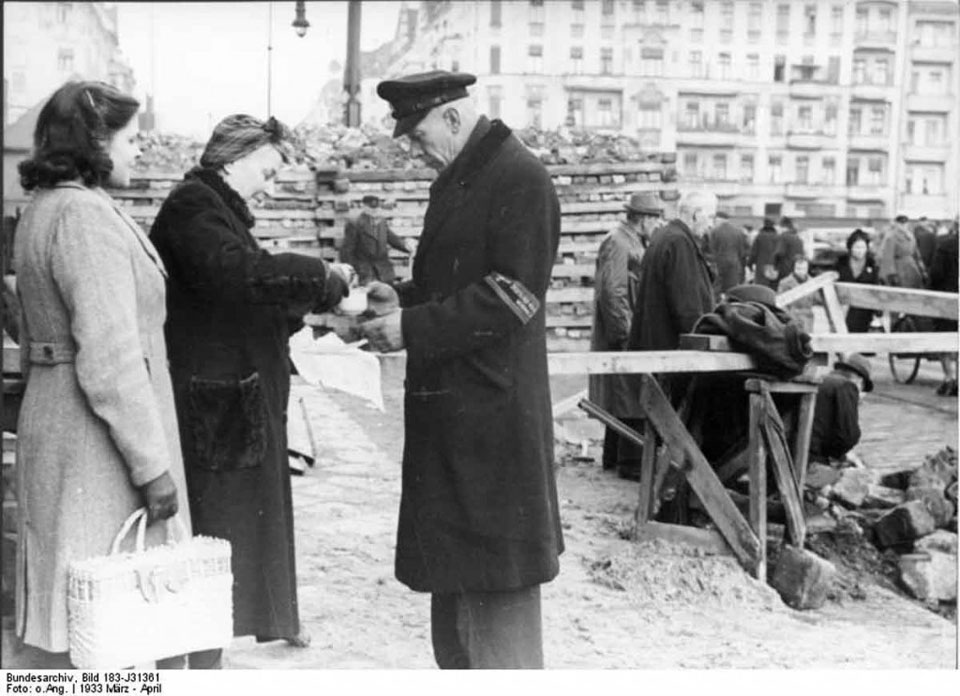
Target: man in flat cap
(367,239)
(836,419)
(479,525)
(615,295)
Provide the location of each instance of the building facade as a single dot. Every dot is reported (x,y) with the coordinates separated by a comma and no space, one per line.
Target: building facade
(47,43)
(820,108)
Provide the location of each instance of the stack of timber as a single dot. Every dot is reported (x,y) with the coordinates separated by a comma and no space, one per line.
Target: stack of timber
(309,210)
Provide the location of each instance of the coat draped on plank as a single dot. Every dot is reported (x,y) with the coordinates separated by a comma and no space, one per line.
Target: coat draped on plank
(615,295)
(478,510)
(229,305)
(98,419)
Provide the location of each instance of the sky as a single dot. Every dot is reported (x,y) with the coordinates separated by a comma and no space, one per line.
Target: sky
(209,60)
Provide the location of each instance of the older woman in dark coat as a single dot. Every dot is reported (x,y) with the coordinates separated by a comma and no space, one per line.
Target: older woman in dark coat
(229,304)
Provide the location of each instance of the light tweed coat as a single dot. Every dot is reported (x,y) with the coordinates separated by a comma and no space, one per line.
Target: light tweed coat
(97,418)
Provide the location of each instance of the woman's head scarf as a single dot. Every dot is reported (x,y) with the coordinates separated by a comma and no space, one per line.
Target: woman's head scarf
(240,134)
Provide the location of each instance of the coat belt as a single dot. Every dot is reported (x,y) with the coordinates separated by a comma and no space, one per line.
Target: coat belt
(51,353)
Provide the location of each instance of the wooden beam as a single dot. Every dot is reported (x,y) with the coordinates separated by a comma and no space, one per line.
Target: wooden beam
(918,342)
(757,385)
(925,303)
(647,466)
(783,471)
(801,439)
(701,477)
(838,320)
(757,467)
(804,289)
(705,342)
(651,361)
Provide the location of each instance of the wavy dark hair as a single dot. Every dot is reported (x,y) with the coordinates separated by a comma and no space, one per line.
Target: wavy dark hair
(857,235)
(72,132)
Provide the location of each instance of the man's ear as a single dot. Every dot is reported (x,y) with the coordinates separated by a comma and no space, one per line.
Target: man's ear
(452,118)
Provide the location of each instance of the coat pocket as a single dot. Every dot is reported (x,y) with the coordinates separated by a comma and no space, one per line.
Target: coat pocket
(228,422)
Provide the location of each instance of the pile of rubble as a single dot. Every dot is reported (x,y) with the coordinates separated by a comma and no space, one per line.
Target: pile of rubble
(908,517)
(339,147)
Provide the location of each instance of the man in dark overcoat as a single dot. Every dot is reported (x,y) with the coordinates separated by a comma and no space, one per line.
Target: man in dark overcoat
(836,416)
(228,308)
(367,240)
(763,254)
(479,525)
(729,248)
(789,246)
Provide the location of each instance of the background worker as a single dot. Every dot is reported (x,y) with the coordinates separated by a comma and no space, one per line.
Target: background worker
(367,240)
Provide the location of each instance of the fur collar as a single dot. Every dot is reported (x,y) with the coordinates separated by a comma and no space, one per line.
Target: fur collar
(233,200)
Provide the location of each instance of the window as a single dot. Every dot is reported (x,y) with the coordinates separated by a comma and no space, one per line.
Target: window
(606,61)
(722,115)
(874,171)
(576,59)
(696,15)
(606,116)
(885,21)
(495,98)
(65,60)
(802,169)
(776,118)
(853,171)
(805,119)
(809,21)
(881,71)
(725,65)
(719,167)
(606,32)
(878,120)
(828,171)
(495,13)
(690,164)
(576,31)
(861,21)
(576,5)
(774,169)
(836,24)
(830,118)
(935,79)
(691,115)
(651,62)
(859,71)
(650,117)
(833,70)
(783,21)
(575,112)
(935,33)
(746,168)
(607,7)
(63,12)
(933,126)
(726,22)
(535,107)
(535,58)
(536,28)
(754,17)
(494,60)
(663,12)
(753,67)
(696,64)
(856,115)
(749,118)
(779,66)
(914,81)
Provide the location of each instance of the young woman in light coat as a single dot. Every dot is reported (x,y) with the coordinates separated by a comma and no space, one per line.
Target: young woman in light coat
(97,433)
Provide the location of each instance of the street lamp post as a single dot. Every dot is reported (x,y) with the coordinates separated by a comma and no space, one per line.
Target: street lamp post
(351,77)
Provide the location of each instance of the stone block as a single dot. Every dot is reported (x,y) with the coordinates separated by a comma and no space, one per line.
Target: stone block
(930,576)
(941,540)
(903,525)
(883,497)
(852,487)
(898,479)
(802,578)
(820,475)
(935,500)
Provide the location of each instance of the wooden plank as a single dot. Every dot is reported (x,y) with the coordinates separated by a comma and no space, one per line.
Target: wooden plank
(734,466)
(568,403)
(783,472)
(647,471)
(603,168)
(801,444)
(628,362)
(700,476)
(584,321)
(705,342)
(707,540)
(918,342)
(610,421)
(925,303)
(757,468)
(821,281)
(757,385)
(835,313)
(577,294)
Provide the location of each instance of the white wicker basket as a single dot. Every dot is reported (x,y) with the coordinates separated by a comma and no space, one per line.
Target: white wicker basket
(127,609)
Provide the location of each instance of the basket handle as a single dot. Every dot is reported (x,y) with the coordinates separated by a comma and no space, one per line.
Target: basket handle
(139,517)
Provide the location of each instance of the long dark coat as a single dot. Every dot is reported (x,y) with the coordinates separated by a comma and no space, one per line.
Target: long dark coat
(836,418)
(675,289)
(615,296)
(730,248)
(478,510)
(788,246)
(366,247)
(858,318)
(227,330)
(762,258)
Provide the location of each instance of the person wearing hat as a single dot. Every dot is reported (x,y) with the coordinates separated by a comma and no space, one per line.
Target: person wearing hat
(367,239)
(836,416)
(730,249)
(479,524)
(229,309)
(762,258)
(615,298)
(900,263)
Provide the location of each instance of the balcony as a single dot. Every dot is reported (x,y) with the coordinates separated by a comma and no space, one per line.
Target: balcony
(926,153)
(814,191)
(867,193)
(716,135)
(874,143)
(809,140)
(809,89)
(915,205)
(876,39)
(931,102)
(867,91)
(933,54)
